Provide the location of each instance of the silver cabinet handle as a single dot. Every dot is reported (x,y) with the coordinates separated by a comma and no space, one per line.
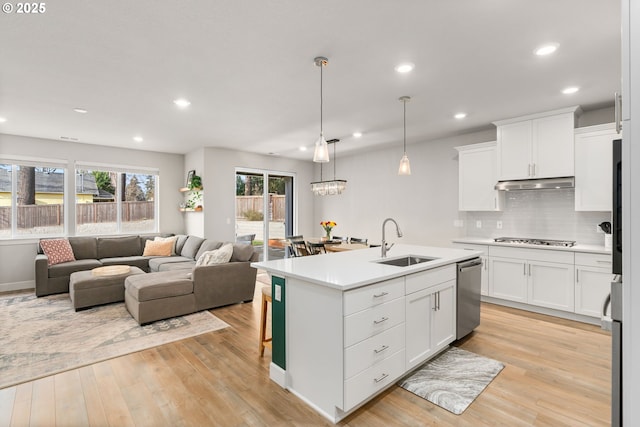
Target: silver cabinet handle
(380,378)
(381,349)
(438,300)
(381,294)
(577,275)
(525,268)
(529,269)
(603,261)
(382,319)
(618,111)
(534,169)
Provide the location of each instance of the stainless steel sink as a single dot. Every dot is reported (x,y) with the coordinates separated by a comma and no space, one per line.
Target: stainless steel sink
(406,261)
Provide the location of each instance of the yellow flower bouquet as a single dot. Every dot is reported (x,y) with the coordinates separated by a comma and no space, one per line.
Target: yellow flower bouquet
(328,226)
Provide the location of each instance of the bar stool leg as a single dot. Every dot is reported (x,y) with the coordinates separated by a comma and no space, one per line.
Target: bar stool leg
(264,341)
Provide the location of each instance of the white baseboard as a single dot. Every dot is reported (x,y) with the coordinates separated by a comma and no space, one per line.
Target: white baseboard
(17,286)
(542,310)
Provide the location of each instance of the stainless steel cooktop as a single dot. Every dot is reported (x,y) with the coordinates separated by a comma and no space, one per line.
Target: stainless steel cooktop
(541,242)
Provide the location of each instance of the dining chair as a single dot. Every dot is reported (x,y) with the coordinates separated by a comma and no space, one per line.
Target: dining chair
(299,248)
(316,248)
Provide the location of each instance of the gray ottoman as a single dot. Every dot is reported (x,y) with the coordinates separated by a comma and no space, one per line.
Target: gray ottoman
(157,296)
(87,289)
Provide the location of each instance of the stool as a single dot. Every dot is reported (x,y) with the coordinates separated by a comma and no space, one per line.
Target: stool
(264,341)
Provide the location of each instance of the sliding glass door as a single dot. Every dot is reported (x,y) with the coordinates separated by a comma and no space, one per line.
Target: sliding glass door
(264,210)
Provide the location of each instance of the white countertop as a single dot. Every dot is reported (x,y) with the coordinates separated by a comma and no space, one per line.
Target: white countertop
(351,269)
(595,249)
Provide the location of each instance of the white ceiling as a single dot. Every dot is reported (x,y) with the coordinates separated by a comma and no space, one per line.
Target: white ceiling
(247,68)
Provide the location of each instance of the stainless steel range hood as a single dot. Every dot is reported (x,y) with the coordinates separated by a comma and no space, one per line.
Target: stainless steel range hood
(536,184)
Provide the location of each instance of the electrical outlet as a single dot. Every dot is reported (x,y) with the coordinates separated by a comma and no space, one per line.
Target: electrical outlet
(499,225)
(478,224)
(278,294)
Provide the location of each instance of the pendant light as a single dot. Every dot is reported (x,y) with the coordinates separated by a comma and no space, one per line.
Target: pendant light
(405,166)
(321,151)
(333,187)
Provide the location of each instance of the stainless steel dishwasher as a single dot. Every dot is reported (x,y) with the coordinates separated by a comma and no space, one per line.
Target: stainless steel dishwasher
(468,302)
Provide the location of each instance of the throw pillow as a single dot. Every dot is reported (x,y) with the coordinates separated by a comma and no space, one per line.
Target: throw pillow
(221,255)
(172,239)
(57,251)
(153,248)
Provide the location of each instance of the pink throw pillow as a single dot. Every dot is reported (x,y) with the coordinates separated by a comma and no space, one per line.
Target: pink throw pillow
(57,250)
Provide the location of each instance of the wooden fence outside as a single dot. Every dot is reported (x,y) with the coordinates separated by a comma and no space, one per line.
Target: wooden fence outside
(32,216)
(245,204)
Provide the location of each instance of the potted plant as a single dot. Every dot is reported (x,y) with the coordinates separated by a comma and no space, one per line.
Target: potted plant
(195,183)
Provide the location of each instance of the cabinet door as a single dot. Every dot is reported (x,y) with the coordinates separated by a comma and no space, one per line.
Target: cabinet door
(552,147)
(443,321)
(551,285)
(593,154)
(592,287)
(508,279)
(514,150)
(418,310)
(477,178)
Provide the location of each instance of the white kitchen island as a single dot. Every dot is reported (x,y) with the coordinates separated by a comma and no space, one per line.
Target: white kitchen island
(346,327)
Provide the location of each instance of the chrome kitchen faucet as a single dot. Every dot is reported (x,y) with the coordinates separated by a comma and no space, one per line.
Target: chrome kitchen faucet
(384,243)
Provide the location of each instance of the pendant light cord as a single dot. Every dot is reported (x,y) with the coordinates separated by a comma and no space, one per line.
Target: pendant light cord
(404,145)
(321,67)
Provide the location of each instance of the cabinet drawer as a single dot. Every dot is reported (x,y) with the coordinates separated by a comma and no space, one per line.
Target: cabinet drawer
(425,279)
(366,323)
(367,353)
(372,380)
(372,295)
(593,260)
(472,247)
(563,257)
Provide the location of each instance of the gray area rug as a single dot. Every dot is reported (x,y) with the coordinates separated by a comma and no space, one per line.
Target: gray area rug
(43,336)
(453,379)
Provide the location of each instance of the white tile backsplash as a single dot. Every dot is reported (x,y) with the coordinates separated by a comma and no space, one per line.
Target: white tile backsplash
(541,214)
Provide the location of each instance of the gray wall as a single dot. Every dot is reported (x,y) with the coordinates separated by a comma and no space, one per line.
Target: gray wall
(16,256)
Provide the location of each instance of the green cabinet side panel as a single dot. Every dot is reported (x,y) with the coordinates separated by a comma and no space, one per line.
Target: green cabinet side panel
(278,354)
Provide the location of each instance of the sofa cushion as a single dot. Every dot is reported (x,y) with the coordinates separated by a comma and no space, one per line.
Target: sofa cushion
(84,247)
(66,268)
(172,266)
(191,246)
(57,251)
(136,261)
(111,247)
(182,239)
(218,256)
(242,252)
(146,287)
(172,239)
(156,263)
(207,245)
(158,248)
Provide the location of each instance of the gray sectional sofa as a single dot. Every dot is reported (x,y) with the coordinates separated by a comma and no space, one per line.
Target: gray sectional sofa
(172,286)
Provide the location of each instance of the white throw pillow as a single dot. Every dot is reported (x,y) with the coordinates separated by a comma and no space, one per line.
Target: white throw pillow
(221,255)
(173,239)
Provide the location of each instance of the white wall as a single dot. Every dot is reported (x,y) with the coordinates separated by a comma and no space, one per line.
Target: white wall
(425,204)
(17,256)
(217,220)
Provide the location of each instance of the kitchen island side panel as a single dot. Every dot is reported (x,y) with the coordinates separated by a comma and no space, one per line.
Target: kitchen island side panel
(278,322)
(315,347)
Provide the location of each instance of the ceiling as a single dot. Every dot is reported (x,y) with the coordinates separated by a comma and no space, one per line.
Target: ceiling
(247,68)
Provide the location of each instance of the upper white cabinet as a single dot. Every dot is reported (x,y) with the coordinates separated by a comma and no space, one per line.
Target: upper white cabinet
(593,152)
(536,146)
(477,178)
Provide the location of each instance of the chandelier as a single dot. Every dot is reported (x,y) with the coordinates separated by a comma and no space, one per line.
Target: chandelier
(333,187)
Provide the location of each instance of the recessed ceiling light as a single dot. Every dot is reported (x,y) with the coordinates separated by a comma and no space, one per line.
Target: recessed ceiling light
(138,139)
(3,119)
(460,115)
(181,103)
(546,49)
(357,134)
(570,90)
(405,67)
(303,148)
(80,110)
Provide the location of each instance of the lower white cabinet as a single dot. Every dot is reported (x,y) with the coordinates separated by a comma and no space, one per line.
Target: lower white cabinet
(430,314)
(593,283)
(539,277)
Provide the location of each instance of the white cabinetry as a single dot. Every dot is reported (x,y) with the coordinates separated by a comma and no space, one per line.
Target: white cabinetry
(484,275)
(593,153)
(536,146)
(593,282)
(430,313)
(539,277)
(477,178)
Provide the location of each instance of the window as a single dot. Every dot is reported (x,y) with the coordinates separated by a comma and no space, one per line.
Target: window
(31,199)
(110,201)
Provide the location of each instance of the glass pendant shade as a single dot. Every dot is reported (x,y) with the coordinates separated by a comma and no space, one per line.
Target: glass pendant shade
(321,151)
(328,188)
(405,166)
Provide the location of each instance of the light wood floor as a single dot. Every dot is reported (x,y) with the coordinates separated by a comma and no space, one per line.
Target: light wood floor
(557,374)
